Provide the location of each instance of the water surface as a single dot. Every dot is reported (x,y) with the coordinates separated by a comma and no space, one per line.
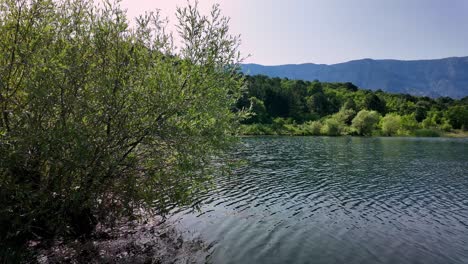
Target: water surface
(338,200)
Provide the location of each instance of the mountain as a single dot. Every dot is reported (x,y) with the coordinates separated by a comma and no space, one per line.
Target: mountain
(433,78)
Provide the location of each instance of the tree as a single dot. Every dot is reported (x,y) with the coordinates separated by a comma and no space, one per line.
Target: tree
(258,110)
(373,102)
(350,87)
(421,110)
(365,121)
(331,127)
(391,124)
(345,116)
(458,116)
(313,128)
(409,124)
(99,119)
(349,104)
(318,103)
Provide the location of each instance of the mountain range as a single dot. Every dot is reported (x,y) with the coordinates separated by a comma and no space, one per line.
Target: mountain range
(433,78)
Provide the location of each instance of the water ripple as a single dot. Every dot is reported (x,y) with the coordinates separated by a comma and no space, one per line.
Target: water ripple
(339,200)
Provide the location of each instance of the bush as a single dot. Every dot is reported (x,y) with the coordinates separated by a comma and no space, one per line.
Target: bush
(99,120)
(312,128)
(391,124)
(446,126)
(365,122)
(408,124)
(345,116)
(331,127)
(426,133)
(256,129)
(458,116)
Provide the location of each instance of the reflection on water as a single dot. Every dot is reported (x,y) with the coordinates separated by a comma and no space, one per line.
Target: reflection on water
(339,200)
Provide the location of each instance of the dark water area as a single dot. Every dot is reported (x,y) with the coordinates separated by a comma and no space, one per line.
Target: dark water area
(338,200)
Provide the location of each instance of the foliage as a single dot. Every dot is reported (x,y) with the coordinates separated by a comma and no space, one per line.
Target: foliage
(365,122)
(408,124)
(391,124)
(99,119)
(304,101)
(345,116)
(426,133)
(458,116)
(258,109)
(373,102)
(312,128)
(256,129)
(331,127)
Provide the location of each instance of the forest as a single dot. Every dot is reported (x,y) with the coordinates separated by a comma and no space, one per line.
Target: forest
(295,107)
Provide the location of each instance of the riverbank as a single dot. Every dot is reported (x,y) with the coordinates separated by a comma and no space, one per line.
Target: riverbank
(457,134)
(144,241)
(318,130)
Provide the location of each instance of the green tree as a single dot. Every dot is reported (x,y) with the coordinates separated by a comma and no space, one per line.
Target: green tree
(99,119)
(373,102)
(331,127)
(391,124)
(313,128)
(258,112)
(318,103)
(345,116)
(421,110)
(409,124)
(349,104)
(365,122)
(458,116)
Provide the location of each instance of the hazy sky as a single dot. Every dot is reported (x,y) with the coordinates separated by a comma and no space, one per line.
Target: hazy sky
(332,31)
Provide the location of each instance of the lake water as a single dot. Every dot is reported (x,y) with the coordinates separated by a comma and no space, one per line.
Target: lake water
(338,200)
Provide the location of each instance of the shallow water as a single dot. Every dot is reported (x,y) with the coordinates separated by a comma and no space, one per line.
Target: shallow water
(338,200)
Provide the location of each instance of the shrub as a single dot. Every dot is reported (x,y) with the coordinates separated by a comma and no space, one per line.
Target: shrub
(408,124)
(446,126)
(365,122)
(99,119)
(331,127)
(426,133)
(313,128)
(391,124)
(458,116)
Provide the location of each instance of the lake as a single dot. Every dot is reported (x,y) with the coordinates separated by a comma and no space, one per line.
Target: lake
(338,200)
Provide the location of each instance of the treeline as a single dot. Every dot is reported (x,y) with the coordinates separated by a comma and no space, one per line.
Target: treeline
(296,107)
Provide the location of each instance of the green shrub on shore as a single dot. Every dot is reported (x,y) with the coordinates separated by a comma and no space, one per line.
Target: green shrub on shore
(256,129)
(331,127)
(391,124)
(312,128)
(98,119)
(365,122)
(424,132)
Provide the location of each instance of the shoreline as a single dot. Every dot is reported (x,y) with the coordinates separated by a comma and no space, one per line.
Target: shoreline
(433,133)
(450,135)
(152,240)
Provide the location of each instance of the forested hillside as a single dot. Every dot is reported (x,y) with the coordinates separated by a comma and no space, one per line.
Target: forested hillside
(283,106)
(433,78)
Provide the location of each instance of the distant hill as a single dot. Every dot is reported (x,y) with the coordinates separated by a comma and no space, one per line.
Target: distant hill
(433,78)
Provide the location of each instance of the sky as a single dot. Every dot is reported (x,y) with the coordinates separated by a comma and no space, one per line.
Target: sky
(277,32)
